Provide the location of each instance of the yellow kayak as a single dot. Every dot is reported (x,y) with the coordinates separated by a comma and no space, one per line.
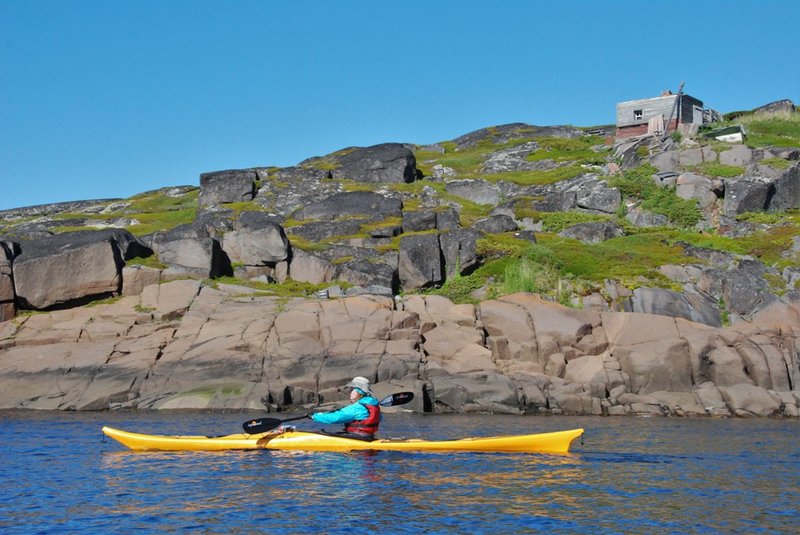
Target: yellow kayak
(289,439)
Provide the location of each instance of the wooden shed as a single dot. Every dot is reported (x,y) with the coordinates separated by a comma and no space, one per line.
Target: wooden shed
(658,115)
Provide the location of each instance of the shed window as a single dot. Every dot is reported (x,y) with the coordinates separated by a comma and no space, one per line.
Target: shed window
(637,115)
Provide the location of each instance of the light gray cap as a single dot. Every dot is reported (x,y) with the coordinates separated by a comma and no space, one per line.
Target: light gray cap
(362,383)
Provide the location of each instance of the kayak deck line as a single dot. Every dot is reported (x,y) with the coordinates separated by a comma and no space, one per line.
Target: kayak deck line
(290,439)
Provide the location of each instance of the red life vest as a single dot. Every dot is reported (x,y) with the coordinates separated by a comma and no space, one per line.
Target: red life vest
(367,426)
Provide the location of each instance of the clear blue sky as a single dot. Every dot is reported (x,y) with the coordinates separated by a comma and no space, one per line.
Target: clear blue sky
(109,98)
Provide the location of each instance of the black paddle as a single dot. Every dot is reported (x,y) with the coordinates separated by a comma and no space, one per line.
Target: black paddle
(261,425)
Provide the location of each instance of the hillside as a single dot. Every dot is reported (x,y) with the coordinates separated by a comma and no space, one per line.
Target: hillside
(266,288)
(559,211)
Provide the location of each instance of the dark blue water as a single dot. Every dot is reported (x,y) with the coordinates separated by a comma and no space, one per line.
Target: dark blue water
(631,475)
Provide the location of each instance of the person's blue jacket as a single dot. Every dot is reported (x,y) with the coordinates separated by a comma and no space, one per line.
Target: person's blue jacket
(345,415)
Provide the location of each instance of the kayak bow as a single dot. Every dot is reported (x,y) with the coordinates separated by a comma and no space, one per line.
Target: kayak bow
(289,439)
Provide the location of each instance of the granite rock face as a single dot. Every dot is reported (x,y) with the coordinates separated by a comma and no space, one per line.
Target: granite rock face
(184,345)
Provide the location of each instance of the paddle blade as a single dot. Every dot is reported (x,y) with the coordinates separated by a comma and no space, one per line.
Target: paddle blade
(260,425)
(401,398)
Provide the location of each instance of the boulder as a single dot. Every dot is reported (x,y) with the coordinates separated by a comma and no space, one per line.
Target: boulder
(235,185)
(189,250)
(459,251)
(496,224)
(746,195)
(72,267)
(556,201)
(513,339)
(750,400)
(477,191)
(386,163)
(256,240)
(665,162)
(596,196)
(420,262)
(593,232)
(737,155)
(459,349)
(640,218)
(696,156)
(692,186)
(786,194)
(447,220)
(310,267)
(418,221)
(565,325)
(367,271)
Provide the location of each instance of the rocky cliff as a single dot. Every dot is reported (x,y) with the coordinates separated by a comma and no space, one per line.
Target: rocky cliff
(183,344)
(677,257)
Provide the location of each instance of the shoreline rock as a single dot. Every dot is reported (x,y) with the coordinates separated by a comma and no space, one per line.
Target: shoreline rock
(187,345)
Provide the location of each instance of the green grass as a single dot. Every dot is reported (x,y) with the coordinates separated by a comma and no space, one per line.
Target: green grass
(157,211)
(578,149)
(779,130)
(305,245)
(529,275)
(150,261)
(561,267)
(106,301)
(638,184)
(158,201)
(629,259)
(288,288)
(718,170)
(558,221)
(161,221)
(777,163)
(243,206)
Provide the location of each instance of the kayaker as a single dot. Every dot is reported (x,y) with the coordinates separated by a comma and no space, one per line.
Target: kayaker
(361,418)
